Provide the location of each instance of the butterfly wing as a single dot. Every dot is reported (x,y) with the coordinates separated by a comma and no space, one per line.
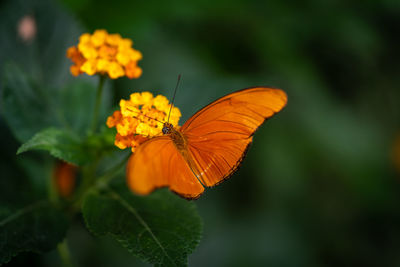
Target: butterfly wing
(157,163)
(219,134)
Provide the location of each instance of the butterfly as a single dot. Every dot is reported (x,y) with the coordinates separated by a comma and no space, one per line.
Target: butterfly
(207,149)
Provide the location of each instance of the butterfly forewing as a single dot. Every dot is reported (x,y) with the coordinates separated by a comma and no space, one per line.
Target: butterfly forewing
(219,134)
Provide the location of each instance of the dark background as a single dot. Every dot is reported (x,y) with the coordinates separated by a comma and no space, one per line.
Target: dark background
(319,186)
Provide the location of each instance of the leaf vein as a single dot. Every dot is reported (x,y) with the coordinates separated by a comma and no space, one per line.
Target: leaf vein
(132,210)
(21,212)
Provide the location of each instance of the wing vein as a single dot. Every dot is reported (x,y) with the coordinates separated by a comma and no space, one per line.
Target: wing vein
(198,175)
(216,165)
(198,148)
(232,132)
(235,122)
(227,163)
(203,110)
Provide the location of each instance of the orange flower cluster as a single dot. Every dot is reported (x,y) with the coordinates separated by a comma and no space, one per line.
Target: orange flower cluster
(105,53)
(140,118)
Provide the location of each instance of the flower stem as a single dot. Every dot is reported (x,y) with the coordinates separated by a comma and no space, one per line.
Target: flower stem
(52,190)
(110,174)
(89,176)
(65,254)
(97,104)
(103,180)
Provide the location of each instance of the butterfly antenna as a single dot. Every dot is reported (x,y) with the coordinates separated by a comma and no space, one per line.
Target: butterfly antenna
(148,118)
(173,98)
(152,118)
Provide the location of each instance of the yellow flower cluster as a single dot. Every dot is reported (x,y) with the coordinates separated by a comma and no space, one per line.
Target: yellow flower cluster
(105,53)
(140,118)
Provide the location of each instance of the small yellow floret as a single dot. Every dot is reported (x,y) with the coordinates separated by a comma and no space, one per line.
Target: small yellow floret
(103,65)
(98,38)
(136,98)
(113,39)
(115,70)
(132,70)
(161,103)
(175,112)
(85,38)
(123,57)
(89,67)
(147,98)
(88,51)
(125,43)
(122,142)
(114,119)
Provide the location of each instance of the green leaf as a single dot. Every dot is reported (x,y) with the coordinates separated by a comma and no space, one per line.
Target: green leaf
(37,227)
(160,228)
(61,144)
(25,106)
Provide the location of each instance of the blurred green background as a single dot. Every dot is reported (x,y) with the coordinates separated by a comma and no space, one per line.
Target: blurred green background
(319,186)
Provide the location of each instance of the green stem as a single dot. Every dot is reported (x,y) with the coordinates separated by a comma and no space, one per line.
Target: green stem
(97,104)
(88,175)
(100,182)
(110,174)
(52,189)
(65,254)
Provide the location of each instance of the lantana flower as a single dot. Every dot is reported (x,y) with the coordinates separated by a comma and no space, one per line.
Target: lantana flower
(104,53)
(140,118)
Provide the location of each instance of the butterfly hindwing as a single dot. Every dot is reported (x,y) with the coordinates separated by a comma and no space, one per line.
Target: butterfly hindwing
(157,163)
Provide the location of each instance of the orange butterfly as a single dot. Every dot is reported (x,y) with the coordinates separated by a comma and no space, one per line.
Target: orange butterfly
(207,149)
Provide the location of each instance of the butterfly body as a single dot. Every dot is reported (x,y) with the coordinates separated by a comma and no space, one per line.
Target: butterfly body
(176,136)
(208,148)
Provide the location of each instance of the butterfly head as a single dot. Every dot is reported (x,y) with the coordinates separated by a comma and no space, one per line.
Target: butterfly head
(167,128)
